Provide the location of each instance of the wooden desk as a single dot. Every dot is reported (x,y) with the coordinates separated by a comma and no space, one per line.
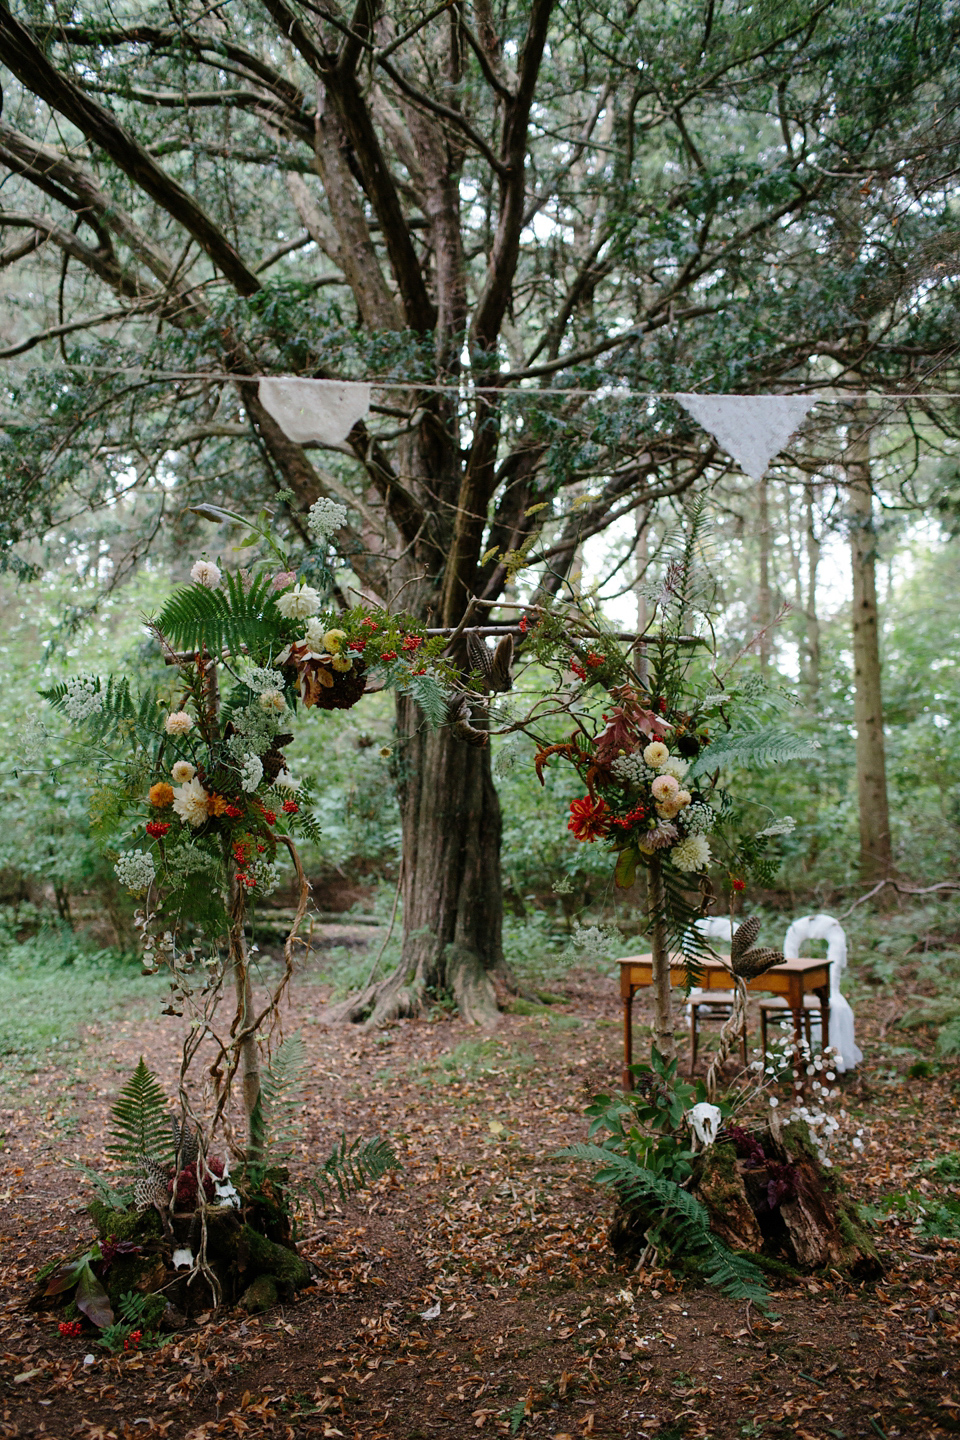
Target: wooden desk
(793,980)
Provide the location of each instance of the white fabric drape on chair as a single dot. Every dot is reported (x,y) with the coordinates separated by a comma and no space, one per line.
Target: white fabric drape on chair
(825,927)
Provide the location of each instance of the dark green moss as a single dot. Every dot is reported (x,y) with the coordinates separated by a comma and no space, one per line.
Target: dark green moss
(260,1295)
(124,1224)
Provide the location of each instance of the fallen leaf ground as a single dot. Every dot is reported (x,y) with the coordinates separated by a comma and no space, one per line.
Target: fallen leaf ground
(473,1292)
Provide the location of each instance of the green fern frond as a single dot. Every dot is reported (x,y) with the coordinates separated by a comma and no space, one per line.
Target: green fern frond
(682,1226)
(280,1096)
(348,1168)
(141,1121)
(431,698)
(229,617)
(756,749)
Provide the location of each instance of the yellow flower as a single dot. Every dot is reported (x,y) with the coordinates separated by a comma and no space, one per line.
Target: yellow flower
(333,641)
(342,663)
(655,754)
(161,795)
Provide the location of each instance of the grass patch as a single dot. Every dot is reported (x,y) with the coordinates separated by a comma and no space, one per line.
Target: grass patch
(475,1058)
(55,983)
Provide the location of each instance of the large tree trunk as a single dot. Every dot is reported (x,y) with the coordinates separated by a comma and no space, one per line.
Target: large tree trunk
(764,601)
(452,895)
(812,645)
(876,856)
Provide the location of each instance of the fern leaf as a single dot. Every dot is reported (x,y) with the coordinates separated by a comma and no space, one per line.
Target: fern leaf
(141,1121)
(229,617)
(431,698)
(758,749)
(348,1168)
(280,1096)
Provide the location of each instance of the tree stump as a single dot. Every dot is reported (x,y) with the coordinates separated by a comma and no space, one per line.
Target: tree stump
(773,1197)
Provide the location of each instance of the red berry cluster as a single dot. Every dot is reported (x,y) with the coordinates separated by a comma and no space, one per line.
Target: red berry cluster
(360,645)
(234,811)
(132,1341)
(71,1328)
(370,624)
(388,654)
(271,818)
(524,626)
(290,807)
(636,816)
(412,642)
(156,829)
(594,660)
(577,668)
(738,885)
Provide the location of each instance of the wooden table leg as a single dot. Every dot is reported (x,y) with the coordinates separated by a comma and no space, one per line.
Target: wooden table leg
(626,1077)
(795,1001)
(823,995)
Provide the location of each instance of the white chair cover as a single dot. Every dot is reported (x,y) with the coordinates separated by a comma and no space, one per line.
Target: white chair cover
(824,927)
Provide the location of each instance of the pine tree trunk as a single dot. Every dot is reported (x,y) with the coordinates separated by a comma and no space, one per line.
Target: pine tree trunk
(662,991)
(452,892)
(812,618)
(764,606)
(876,857)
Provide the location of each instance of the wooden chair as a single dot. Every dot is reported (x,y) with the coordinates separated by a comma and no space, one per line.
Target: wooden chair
(711,1004)
(819,927)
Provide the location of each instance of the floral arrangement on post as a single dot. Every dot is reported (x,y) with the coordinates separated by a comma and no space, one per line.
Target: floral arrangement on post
(658,726)
(197,800)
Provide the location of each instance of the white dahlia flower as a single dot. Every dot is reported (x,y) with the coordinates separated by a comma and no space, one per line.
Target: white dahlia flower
(190,802)
(691,854)
(204,572)
(299,603)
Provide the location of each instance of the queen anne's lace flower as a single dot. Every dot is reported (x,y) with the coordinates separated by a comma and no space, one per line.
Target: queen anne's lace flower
(299,603)
(260,679)
(780,827)
(324,518)
(204,572)
(83,698)
(691,854)
(136,870)
(699,818)
(190,802)
(631,770)
(251,773)
(178,723)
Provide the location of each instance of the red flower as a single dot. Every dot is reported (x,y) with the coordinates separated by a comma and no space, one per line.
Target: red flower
(589,818)
(270,816)
(412,642)
(156,829)
(523,627)
(388,654)
(360,645)
(738,885)
(593,659)
(233,811)
(290,807)
(577,668)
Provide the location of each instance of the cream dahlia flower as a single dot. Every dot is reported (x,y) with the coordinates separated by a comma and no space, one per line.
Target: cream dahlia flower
(665,787)
(204,572)
(299,603)
(182,772)
(178,723)
(655,754)
(190,802)
(691,854)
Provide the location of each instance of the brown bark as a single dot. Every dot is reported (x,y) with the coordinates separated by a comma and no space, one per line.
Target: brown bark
(876,856)
(764,606)
(812,645)
(249,1066)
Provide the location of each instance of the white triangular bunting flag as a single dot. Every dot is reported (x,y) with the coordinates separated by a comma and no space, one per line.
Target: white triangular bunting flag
(319,412)
(751,428)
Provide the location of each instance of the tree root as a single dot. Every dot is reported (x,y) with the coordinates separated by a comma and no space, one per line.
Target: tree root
(479,993)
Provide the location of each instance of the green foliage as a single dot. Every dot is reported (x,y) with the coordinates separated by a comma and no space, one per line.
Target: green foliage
(681,1230)
(279,1099)
(647,1124)
(431,697)
(136,1329)
(230,617)
(349,1167)
(753,749)
(141,1121)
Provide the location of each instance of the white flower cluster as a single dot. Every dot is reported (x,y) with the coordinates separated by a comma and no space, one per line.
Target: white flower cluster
(83,698)
(255,727)
(597,942)
(299,603)
(324,518)
(267,875)
(691,854)
(781,1064)
(251,773)
(260,680)
(780,827)
(631,770)
(136,870)
(699,818)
